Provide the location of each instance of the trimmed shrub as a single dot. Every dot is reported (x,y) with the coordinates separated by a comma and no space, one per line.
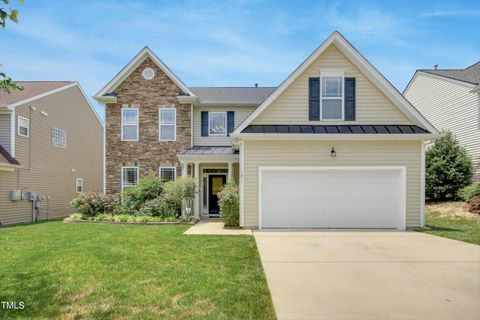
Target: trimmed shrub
(93,203)
(147,189)
(175,192)
(229,202)
(158,207)
(469,192)
(124,209)
(474,205)
(448,168)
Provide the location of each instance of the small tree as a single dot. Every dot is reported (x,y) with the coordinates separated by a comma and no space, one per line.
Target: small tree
(448,168)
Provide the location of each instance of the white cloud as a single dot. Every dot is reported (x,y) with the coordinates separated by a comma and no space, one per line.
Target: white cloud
(450,13)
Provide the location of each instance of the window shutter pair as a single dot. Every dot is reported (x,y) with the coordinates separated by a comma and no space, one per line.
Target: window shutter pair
(314,99)
(204,122)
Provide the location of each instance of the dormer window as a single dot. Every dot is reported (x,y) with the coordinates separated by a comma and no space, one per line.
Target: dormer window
(331,101)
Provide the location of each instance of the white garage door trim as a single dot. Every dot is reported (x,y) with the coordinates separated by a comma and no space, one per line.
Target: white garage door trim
(403,174)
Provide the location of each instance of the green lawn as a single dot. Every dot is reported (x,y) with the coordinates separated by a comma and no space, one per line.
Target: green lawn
(450,220)
(95,271)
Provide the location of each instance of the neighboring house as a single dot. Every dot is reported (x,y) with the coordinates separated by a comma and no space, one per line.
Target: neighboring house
(450,99)
(334,146)
(51,148)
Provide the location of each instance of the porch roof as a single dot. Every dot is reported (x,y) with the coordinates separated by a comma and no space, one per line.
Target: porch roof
(206,150)
(209,154)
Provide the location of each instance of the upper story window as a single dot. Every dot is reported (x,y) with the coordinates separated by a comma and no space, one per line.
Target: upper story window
(168,173)
(59,138)
(167,124)
(129,124)
(331,102)
(23,126)
(129,177)
(217,123)
(78,185)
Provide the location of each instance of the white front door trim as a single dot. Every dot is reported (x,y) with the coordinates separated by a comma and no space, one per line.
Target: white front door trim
(402,169)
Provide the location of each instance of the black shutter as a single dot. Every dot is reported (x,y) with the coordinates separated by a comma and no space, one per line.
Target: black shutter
(349,99)
(314,99)
(230,121)
(204,123)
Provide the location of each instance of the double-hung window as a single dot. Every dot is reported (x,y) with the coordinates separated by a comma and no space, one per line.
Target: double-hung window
(129,124)
(167,173)
(59,138)
(331,97)
(78,185)
(129,177)
(217,123)
(23,126)
(167,124)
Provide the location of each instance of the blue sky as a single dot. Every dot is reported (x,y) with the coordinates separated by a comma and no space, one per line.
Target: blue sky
(233,43)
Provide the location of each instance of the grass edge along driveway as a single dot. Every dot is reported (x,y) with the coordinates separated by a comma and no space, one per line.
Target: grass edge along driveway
(98,271)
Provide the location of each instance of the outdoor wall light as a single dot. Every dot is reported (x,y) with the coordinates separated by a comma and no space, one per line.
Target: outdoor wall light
(333,153)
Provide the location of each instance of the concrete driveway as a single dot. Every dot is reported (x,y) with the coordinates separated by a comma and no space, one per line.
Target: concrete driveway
(370,275)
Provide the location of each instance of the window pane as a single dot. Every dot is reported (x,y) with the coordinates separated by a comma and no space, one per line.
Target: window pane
(129,116)
(167,116)
(130,177)
(331,108)
(167,174)
(59,138)
(332,86)
(217,123)
(129,132)
(23,131)
(167,132)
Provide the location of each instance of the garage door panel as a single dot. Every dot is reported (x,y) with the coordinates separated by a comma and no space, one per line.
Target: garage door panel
(332,198)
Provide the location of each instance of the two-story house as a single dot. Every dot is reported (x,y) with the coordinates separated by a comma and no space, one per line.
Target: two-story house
(334,146)
(450,100)
(51,149)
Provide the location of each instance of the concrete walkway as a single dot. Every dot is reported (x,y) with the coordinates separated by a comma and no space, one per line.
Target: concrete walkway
(370,275)
(215,227)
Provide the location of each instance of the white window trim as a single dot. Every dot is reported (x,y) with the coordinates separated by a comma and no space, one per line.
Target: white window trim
(174,172)
(65,132)
(121,177)
(18,126)
(338,73)
(174,124)
(121,118)
(225,125)
(78,183)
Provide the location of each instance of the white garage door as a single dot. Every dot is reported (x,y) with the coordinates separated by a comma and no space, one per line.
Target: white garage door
(332,197)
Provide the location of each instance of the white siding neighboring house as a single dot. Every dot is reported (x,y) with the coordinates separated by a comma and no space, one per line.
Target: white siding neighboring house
(450,99)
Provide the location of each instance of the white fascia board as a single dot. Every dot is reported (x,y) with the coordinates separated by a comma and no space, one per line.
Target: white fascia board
(286,136)
(106,99)
(132,65)
(365,67)
(187,99)
(38,96)
(227,103)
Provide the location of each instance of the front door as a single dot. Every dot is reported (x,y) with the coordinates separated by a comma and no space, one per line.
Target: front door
(215,184)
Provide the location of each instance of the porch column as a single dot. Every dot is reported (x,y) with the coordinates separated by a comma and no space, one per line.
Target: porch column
(196,203)
(184,169)
(230,171)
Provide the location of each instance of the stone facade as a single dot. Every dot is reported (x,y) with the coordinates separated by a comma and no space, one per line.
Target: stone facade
(148,153)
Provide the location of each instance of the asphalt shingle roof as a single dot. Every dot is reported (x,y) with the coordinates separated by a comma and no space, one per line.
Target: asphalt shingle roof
(30,89)
(254,95)
(470,74)
(6,157)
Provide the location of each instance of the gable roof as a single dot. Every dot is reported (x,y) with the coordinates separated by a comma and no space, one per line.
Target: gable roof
(245,95)
(363,65)
(131,66)
(30,89)
(470,74)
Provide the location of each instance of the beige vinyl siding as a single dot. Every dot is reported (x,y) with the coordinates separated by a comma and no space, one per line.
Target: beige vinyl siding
(372,107)
(241,113)
(449,105)
(6,130)
(317,153)
(50,170)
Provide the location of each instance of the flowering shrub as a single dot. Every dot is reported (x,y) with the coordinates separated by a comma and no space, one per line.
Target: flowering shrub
(147,189)
(229,202)
(94,203)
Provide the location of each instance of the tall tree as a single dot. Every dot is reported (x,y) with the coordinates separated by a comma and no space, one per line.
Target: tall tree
(6,14)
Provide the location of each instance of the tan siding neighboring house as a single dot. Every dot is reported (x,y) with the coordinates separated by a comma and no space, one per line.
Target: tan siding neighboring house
(372,107)
(449,104)
(50,170)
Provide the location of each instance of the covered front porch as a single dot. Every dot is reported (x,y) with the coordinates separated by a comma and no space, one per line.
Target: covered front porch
(211,167)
